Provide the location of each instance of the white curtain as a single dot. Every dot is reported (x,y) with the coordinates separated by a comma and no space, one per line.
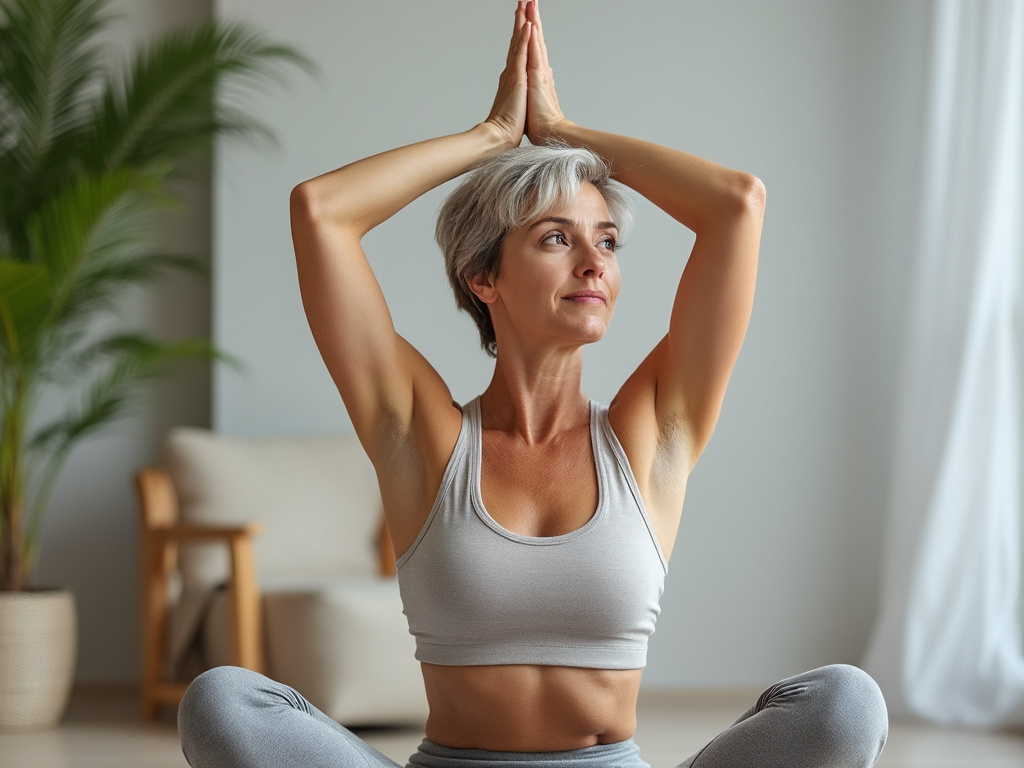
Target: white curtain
(947,645)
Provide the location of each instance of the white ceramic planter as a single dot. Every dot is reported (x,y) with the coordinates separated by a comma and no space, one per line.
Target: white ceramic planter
(38,641)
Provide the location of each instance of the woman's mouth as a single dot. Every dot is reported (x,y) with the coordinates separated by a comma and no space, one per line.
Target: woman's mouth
(587,297)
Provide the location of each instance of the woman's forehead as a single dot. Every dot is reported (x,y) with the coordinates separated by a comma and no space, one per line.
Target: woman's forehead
(588,210)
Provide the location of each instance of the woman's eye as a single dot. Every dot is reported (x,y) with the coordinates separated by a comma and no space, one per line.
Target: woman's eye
(609,244)
(556,239)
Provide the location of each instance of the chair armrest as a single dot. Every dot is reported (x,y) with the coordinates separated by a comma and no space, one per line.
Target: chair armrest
(244,604)
(182,533)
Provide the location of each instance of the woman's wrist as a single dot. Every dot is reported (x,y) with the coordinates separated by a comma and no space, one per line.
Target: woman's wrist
(561,132)
(496,137)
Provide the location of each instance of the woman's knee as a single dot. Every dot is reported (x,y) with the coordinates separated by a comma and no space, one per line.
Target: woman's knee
(216,689)
(213,706)
(851,713)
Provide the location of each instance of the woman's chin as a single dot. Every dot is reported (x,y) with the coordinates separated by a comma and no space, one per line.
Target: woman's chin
(590,335)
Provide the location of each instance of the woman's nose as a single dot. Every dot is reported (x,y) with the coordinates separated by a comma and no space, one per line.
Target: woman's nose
(591,261)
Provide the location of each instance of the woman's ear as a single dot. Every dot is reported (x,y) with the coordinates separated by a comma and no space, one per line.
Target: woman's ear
(482,287)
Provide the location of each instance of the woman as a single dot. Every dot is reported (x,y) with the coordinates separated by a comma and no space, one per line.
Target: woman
(533,528)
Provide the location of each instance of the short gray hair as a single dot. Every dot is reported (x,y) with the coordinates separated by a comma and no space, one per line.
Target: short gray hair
(506,192)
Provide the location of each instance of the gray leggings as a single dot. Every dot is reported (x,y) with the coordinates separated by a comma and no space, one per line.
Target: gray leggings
(833,717)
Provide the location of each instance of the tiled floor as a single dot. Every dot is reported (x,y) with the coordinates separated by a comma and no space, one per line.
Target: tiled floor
(103,730)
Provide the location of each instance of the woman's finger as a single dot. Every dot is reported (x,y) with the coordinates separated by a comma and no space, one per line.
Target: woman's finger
(533,15)
(538,59)
(520,20)
(508,111)
(543,114)
(522,52)
(518,55)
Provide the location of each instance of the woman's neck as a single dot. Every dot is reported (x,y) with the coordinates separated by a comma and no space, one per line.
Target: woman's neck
(536,397)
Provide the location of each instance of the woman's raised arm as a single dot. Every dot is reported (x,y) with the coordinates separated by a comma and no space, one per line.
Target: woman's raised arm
(379,375)
(683,380)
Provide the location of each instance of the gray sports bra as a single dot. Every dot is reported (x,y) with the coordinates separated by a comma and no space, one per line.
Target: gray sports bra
(476,593)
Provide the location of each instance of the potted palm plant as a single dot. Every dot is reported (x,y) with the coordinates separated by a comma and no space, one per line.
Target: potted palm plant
(87,154)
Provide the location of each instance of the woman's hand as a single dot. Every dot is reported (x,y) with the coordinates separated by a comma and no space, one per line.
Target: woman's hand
(543,115)
(508,113)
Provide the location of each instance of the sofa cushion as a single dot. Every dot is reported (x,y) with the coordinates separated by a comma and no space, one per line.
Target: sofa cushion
(317,498)
(343,643)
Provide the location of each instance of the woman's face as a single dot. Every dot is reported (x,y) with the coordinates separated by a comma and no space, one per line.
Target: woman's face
(559,275)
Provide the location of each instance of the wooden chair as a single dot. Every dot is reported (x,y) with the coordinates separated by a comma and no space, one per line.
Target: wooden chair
(162,535)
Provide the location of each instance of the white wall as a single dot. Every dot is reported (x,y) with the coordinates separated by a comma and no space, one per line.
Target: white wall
(90,539)
(776,566)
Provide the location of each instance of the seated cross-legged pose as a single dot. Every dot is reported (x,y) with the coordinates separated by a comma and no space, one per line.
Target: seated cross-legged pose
(533,527)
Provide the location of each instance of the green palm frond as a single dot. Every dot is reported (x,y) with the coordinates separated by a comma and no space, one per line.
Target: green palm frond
(24,305)
(66,350)
(132,359)
(81,237)
(86,157)
(95,215)
(93,353)
(166,107)
(101,286)
(51,55)
(52,52)
(107,279)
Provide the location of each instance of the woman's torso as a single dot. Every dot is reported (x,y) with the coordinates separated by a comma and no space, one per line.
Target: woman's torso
(551,537)
(528,708)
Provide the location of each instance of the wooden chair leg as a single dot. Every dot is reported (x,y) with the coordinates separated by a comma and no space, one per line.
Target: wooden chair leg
(246,626)
(159,559)
(158,508)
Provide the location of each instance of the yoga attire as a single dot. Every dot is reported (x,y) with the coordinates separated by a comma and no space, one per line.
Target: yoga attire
(833,717)
(475,593)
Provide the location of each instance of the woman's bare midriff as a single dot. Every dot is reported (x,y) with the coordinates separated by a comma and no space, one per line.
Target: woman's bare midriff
(522,708)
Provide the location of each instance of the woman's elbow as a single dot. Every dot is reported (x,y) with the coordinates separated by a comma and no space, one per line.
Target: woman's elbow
(302,203)
(314,205)
(750,194)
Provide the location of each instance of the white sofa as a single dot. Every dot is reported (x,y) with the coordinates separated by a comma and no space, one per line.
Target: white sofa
(333,626)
